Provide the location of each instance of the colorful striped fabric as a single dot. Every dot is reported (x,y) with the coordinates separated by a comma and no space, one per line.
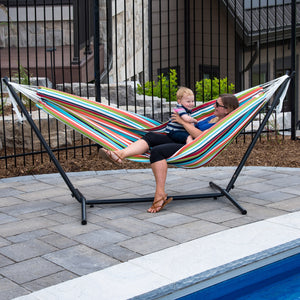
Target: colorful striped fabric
(114,129)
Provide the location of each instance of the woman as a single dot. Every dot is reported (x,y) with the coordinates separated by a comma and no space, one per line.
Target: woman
(161,147)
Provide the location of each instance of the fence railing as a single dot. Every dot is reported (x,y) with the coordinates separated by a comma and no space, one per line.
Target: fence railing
(112,50)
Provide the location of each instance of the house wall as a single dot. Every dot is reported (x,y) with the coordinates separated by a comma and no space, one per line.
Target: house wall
(168,36)
(212,39)
(277,60)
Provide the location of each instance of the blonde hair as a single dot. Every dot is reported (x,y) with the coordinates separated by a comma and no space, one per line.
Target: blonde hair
(184,91)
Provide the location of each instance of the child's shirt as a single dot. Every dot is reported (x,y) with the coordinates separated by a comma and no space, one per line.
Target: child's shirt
(174,126)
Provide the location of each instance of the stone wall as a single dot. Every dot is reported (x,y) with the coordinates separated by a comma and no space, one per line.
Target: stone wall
(21,136)
(116,95)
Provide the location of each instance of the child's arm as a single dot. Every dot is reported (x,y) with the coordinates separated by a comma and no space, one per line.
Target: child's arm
(183,114)
(189,119)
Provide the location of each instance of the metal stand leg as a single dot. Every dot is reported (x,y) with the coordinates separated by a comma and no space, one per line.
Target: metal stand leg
(229,197)
(75,193)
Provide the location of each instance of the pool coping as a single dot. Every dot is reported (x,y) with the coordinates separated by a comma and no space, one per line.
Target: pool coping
(188,266)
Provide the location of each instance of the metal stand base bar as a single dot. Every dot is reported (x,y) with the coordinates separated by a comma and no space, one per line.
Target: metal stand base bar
(148,199)
(222,193)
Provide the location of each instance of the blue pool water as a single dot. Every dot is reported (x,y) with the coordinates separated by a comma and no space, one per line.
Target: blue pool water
(279,280)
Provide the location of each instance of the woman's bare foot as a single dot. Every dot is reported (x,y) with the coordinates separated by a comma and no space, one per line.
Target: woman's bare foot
(111,156)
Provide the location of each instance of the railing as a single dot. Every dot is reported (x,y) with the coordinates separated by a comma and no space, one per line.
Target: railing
(104,49)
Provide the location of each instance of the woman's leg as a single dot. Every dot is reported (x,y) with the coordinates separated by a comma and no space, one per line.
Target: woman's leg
(141,146)
(159,169)
(159,166)
(138,147)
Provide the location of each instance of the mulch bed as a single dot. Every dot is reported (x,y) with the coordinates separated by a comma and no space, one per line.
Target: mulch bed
(269,151)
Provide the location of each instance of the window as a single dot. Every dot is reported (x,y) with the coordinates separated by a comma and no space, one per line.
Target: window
(208,72)
(259,74)
(166,72)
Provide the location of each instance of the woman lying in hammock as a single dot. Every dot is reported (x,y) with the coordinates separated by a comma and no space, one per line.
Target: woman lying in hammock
(162,147)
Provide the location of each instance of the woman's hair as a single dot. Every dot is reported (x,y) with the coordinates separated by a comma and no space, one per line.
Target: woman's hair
(184,91)
(230,101)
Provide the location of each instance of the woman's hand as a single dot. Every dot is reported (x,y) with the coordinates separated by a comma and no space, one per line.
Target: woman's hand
(189,127)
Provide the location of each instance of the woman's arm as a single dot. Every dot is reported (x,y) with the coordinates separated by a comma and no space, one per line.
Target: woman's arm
(189,127)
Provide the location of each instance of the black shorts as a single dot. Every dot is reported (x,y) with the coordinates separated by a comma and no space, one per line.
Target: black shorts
(161,146)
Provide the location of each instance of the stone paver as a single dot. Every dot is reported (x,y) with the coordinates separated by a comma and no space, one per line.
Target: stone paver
(190,231)
(50,280)
(29,270)
(171,219)
(80,259)
(148,243)
(25,250)
(42,241)
(10,290)
(100,238)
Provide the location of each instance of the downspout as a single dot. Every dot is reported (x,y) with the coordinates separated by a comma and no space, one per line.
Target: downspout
(108,43)
(238,74)
(253,59)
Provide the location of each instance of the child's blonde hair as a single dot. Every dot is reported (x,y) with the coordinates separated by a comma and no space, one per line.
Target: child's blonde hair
(184,91)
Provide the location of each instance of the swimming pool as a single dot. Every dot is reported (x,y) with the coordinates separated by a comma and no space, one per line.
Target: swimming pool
(279,280)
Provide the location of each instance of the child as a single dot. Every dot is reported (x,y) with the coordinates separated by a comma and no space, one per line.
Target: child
(185,103)
(224,105)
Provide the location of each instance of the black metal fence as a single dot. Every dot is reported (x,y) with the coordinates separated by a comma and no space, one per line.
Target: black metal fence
(113,50)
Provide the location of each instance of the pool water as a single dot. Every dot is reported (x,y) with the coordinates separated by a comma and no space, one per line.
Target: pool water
(279,280)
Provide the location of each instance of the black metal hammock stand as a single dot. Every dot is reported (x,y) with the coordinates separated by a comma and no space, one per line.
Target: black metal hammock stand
(217,193)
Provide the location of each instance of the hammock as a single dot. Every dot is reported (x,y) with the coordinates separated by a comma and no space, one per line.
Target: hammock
(113,128)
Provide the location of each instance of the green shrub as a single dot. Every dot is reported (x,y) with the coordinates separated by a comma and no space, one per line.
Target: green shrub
(23,75)
(163,88)
(208,89)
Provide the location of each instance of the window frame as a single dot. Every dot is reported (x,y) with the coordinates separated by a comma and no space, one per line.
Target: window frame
(14,3)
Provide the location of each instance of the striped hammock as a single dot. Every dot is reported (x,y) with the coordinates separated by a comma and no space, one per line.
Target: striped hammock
(113,128)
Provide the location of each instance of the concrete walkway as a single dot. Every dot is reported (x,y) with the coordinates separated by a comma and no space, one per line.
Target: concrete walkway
(42,241)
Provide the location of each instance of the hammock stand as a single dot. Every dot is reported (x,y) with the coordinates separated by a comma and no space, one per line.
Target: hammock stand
(221,191)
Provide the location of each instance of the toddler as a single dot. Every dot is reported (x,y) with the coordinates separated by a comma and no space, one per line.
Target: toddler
(185,104)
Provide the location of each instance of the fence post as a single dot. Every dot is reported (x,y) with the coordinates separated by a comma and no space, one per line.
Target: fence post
(293,68)
(187,42)
(96,50)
